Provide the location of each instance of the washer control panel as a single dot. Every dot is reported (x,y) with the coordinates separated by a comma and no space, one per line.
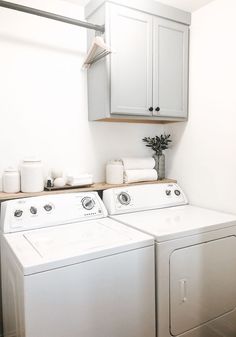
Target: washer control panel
(45,211)
(143,197)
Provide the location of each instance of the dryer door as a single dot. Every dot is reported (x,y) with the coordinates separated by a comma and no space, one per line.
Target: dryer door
(202,283)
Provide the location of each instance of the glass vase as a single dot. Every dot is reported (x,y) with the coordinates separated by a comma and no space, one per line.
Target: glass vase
(160,165)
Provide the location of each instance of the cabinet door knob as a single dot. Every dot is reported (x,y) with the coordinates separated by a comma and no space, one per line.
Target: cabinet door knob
(158,109)
(151,109)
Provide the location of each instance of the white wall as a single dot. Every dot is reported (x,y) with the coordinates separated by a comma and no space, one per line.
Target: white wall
(203,158)
(43,102)
(43,96)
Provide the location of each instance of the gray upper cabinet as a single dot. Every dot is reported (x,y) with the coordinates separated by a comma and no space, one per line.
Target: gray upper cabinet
(131,62)
(170,68)
(146,76)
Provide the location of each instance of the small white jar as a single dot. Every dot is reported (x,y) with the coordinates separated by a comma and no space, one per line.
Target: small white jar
(114,172)
(11,180)
(32,179)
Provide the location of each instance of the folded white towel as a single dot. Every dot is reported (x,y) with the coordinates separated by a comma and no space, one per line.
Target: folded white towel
(133,176)
(80,180)
(138,163)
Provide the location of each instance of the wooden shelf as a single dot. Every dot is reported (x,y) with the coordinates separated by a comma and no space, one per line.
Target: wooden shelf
(94,187)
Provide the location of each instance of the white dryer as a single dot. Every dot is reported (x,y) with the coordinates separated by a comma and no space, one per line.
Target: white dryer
(70,271)
(195,258)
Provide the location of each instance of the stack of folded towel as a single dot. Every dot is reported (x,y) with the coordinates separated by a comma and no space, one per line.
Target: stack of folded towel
(139,169)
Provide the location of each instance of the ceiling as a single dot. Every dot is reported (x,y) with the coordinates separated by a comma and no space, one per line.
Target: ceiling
(187,5)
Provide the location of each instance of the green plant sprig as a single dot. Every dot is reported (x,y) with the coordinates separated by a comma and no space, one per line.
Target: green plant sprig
(158,144)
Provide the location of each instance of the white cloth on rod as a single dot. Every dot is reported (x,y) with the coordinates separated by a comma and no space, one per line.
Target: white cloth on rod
(141,163)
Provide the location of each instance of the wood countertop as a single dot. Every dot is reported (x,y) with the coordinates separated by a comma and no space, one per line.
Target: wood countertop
(94,187)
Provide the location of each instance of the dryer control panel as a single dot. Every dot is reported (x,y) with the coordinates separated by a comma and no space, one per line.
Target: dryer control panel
(143,197)
(46,211)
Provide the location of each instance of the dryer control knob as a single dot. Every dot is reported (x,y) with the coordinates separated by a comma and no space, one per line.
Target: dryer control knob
(124,198)
(168,193)
(177,193)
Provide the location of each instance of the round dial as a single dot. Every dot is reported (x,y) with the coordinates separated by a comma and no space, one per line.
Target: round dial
(18,213)
(177,193)
(124,198)
(88,203)
(47,207)
(33,210)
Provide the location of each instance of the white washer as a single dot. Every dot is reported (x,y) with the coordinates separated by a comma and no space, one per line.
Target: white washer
(69,271)
(195,258)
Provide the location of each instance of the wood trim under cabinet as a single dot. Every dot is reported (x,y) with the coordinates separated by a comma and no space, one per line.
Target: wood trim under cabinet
(140,121)
(94,187)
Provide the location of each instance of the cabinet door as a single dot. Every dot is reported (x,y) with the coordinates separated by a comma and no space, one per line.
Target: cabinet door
(170,58)
(131,61)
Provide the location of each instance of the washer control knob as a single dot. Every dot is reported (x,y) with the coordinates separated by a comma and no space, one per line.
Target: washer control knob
(177,192)
(124,198)
(168,193)
(88,203)
(47,207)
(33,210)
(18,213)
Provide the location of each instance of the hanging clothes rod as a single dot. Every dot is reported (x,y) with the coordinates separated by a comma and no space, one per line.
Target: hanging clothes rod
(52,16)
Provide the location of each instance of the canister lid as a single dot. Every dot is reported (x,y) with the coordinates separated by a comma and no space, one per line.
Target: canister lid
(31,160)
(11,169)
(115,162)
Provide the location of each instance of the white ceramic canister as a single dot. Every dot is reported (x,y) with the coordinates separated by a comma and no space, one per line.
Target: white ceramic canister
(32,178)
(11,180)
(114,172)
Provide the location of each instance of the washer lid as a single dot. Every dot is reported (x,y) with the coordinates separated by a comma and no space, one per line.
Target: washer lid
(60,242)
(49,248)
(175,222)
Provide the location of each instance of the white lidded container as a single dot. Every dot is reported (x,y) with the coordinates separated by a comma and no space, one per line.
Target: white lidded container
(11,180)
(114,172)
(32,178)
